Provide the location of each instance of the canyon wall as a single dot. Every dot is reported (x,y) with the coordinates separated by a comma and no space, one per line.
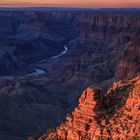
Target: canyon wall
(108,114)
(44,34)
(129,66)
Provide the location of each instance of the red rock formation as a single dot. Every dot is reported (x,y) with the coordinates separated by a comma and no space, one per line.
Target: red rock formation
(110,114)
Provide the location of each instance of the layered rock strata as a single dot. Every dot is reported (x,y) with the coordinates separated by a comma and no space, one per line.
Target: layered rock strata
(42,33)
(129,66)
(112,114)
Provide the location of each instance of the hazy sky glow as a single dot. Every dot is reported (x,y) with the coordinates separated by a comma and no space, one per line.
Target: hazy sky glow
(72,3)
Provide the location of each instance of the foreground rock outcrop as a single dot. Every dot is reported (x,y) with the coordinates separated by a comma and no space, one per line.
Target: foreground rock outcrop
(110,114)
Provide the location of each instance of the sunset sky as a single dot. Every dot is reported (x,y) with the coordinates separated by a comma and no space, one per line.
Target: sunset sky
(72,3)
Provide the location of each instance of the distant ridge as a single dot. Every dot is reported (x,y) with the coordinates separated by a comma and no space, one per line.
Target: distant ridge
(45,8)
(69,9)
(119,9)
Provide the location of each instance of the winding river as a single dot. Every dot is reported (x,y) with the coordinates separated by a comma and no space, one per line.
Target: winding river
(41,71)
(38,71)
(62,53)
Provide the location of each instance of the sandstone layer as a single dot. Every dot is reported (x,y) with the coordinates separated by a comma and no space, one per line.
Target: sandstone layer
(111,114)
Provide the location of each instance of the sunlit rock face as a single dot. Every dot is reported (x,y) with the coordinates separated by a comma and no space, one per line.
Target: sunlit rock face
(100,114)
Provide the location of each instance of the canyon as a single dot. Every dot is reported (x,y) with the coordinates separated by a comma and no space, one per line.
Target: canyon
(48,58)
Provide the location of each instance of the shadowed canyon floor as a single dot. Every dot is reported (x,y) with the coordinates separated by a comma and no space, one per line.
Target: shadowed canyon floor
(48,58)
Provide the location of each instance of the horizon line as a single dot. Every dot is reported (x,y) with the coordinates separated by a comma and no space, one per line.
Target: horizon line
(67,7)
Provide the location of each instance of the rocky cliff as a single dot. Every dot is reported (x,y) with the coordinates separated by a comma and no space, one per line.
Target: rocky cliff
(103,114)
(129,66)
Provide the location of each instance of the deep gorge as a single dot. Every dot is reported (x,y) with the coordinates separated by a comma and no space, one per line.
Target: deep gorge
(103,47)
